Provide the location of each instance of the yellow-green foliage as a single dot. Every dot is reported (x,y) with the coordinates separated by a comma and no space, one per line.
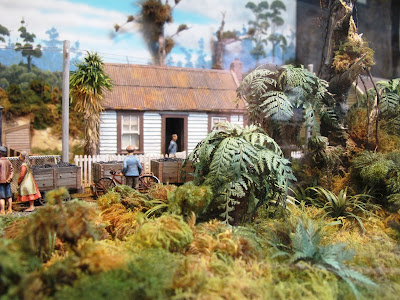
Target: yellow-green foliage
(108,199)
(120,221)
(166,258)
(170,232)
(378,257)
(91,257)
(131,198)
(125,195)
(357,122)
(214,237)
(12,266)
(99,256)
(351,51)
(70,222)
(190,197)
(161,191)
(149,275)
(13,229)
(57,195)
(212,278)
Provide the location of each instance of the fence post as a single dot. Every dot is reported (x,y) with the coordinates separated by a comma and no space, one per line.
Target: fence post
(89,170)
(85,178)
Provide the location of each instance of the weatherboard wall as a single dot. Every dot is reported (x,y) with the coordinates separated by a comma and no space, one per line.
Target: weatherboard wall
(197,130)
(152,132)
(108,132)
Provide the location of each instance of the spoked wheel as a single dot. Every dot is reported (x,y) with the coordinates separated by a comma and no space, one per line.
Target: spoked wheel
(146,181)
(42,200)
(103,185)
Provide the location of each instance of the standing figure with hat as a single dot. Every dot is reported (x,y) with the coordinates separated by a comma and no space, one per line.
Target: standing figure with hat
(132,168)
(28,189)
(6,175)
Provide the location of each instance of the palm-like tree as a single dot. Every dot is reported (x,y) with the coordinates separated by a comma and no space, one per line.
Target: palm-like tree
(87,86)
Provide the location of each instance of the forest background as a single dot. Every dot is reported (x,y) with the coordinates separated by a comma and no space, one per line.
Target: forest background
(35,94)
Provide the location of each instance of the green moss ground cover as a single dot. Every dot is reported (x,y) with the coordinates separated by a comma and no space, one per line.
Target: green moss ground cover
(76,250)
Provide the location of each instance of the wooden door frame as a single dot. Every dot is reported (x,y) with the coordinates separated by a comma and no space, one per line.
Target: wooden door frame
(185,129)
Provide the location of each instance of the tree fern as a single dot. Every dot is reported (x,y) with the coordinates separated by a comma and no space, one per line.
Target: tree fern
(274,95)
(379,172)
(240,164)
(389,105)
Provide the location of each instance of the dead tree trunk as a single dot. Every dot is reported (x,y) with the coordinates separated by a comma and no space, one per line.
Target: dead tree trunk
(340,29)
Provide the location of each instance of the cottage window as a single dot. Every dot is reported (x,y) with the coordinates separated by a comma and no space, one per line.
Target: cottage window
(215,121)
(130,134)
(130,131)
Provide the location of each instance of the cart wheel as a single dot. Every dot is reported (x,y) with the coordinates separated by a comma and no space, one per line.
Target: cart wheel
(146,181)
(103,185)
(42,199)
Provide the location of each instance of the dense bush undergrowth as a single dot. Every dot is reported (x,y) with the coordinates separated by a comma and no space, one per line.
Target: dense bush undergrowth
(77,250)
(239,230)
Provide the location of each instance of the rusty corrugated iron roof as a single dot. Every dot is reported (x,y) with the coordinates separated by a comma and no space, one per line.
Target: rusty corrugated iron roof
(140,87)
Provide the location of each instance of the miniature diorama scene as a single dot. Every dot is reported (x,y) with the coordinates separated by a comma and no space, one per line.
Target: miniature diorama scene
(185,149)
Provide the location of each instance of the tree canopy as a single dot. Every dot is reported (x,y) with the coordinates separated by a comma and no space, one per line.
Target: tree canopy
(153,17)
(27,49)
(88,84)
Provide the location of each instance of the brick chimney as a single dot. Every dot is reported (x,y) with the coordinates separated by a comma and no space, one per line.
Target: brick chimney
(236,67)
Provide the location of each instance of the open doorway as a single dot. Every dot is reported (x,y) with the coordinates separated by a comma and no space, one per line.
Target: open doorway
(174,125)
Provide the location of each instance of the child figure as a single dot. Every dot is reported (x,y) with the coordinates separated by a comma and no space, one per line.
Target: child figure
(28,190)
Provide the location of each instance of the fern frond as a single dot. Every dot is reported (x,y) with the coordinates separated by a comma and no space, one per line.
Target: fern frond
(389,103)
(296,77)
(276,105)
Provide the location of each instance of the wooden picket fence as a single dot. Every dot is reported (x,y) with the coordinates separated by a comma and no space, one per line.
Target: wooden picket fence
(86,161)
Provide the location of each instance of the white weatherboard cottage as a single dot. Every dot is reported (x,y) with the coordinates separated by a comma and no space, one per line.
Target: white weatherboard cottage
(150,103)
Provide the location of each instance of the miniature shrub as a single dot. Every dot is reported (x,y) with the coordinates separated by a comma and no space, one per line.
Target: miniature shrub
(343,205)
(125,195)
(12,268)
(57,196)
(379,172)
(161,191)
(231,243)
(91,258)
(190,197)
(147,276)
(70,222)
(169,232)
(108,199)
(11,227)
(349,53)
(121,222)
(131,198)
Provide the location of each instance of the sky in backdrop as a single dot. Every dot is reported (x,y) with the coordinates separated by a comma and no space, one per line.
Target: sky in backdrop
(88,25)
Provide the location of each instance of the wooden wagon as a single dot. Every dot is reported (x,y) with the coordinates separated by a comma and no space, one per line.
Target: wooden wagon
(169,170)
(54,176)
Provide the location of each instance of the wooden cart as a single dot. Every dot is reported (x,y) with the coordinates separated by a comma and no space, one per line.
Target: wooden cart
(169,170)
(49,177)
